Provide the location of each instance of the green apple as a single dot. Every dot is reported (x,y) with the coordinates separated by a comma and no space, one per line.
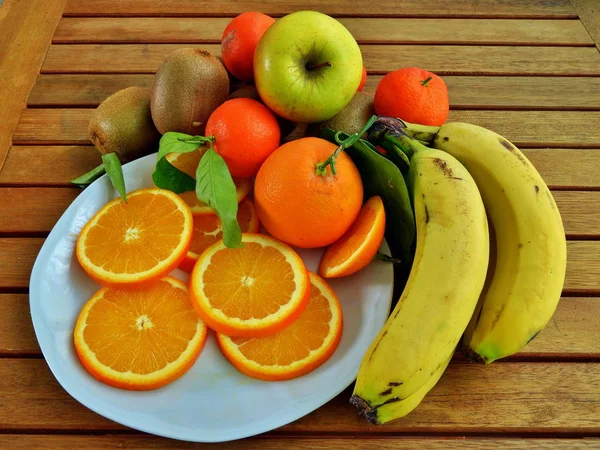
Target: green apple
(307,67)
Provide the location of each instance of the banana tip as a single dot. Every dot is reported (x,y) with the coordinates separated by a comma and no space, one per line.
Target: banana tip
(364,409)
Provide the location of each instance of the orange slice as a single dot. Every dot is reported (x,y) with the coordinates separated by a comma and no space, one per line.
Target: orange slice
(256,290)
(134,243)
(207,231)
(296,350)
(141,339)
(359,245)
(188,163)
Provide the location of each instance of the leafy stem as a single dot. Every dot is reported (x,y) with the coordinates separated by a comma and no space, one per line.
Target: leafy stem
(321,168)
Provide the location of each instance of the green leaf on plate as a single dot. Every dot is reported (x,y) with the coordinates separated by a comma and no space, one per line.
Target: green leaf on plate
(113,168)
(167,176)
(215,187)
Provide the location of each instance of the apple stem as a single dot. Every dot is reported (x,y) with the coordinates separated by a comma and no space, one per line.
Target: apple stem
(311,66)
(321,168)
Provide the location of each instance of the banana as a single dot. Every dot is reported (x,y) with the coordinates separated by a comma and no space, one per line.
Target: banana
(399,409)
(531,250)
(441,293)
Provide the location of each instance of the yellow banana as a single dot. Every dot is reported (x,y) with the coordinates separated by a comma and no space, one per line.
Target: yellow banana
(441,293)
(399,409)
(530,262)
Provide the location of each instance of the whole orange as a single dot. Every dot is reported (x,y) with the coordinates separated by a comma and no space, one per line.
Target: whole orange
(246,132)
(300,207)
(239,42)
(414,95)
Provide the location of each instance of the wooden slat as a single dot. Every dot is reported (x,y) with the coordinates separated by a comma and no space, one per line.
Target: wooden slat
(573,331)
(56,166)
(389,8)
(524,128)
(442,59)
(589,13)
(48,166)
(582,268)
(378,31)
(27,28)
(36,210)
(17,256)
(16,330)
(466,92)
(144,442)
(508,397)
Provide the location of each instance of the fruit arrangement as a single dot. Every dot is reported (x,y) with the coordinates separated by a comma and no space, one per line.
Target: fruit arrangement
(475,236)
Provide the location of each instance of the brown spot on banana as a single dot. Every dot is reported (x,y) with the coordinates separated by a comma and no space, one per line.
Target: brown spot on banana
(386,392)
(395,383)
(426,214)
(443,166)
(537,189)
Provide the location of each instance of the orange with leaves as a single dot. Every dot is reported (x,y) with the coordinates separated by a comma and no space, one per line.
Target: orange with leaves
(301,201)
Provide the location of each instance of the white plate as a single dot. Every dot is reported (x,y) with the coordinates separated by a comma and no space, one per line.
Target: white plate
(212,402)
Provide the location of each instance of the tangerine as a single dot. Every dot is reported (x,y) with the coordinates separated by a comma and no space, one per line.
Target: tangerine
(414,95)
(239,42)
(245,133)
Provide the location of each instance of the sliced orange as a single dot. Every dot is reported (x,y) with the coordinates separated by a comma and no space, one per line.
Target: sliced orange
(188,163)
(297,349)
(131,244)
(359,245)
(207,231)
(256,290)
(139,339)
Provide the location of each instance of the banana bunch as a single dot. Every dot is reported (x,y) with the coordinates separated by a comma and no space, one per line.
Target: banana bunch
(452,292)
(415,345)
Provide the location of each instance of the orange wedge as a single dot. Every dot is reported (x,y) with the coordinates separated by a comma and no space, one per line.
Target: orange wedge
(207,231)
(141,339)
(359,245)
(131,244)
(188,163)
(296,350)
(256,290)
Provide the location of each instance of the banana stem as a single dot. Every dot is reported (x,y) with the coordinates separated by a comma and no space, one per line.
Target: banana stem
(422,132)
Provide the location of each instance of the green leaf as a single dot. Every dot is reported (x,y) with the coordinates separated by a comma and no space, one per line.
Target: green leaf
(167,176)
(88,178)
(215,187)
(115,173)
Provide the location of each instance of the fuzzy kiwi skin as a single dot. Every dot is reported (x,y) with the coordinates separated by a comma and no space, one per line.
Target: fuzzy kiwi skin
(189,85)
(122,124)
(350,120)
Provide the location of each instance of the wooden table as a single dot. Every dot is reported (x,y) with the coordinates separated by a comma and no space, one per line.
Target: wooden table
(528,69)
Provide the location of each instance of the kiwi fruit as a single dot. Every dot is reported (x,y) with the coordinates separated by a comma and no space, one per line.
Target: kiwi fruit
(122,124)
(189,85)
(350,120)
(249,91)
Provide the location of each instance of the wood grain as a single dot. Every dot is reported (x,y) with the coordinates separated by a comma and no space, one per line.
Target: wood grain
(16,330)
(374,31)
(466,92)
(36,210)
(55,166)
(505,397)
(442,59)
(523,128)
(48,166)
(144,442)
(589,13)
(27,29)
(573,331)
(406,8)
(17,256)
